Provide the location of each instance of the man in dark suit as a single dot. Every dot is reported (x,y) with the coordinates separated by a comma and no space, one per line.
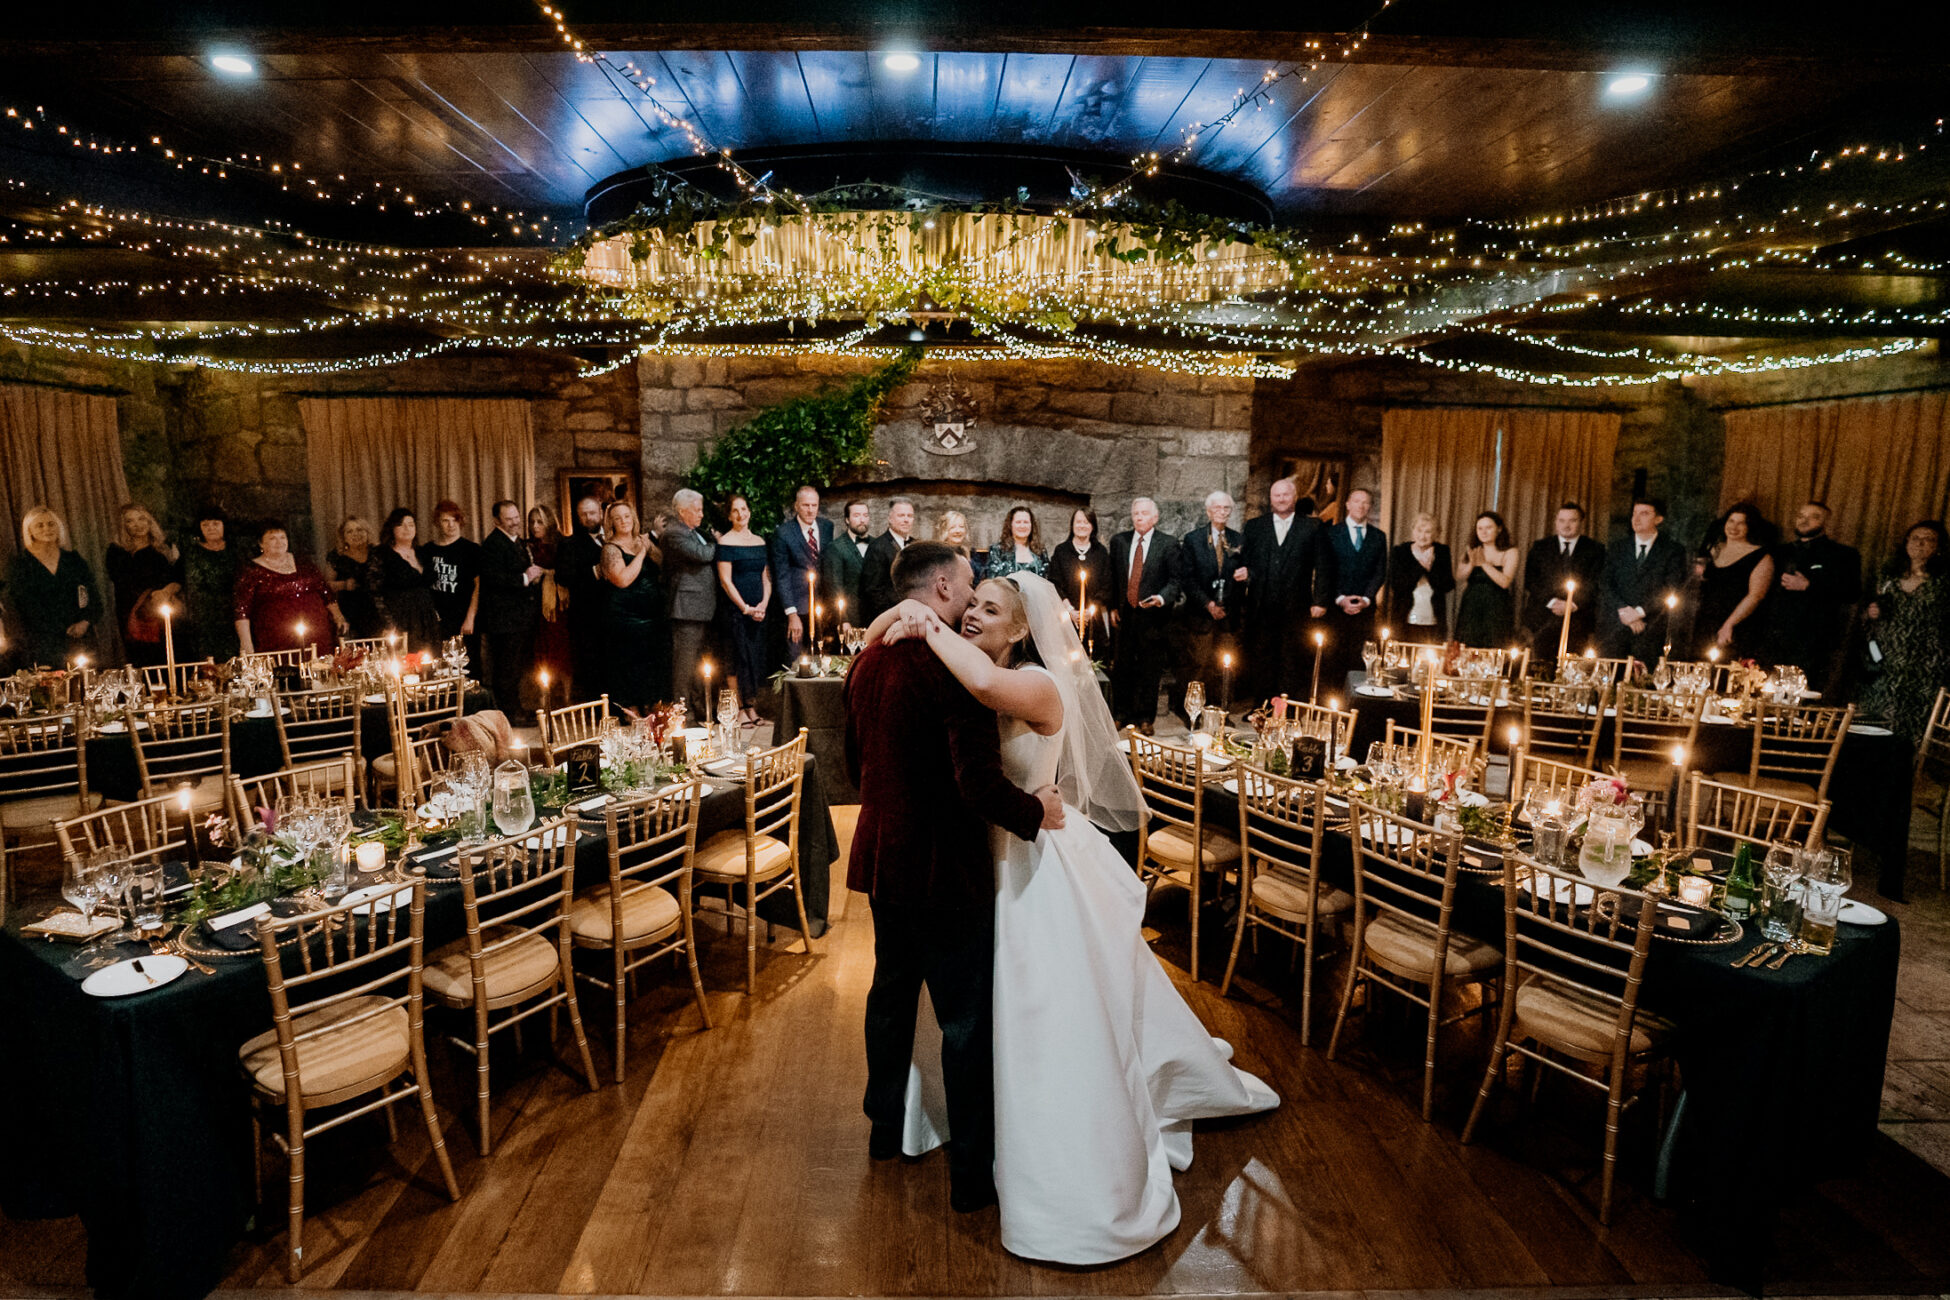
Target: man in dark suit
(690,595)
(798,551)
(1641,571)
(876,567)
(1278,554)
(1147,588)
(510,609)
(1207,624)
(1355,565)
(575,572)
(844,560)
(1817,582)
(927,758)
(1567,555)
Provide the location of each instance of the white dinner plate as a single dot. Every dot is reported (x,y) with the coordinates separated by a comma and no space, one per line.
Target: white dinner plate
(1215,759)
(377,898)
(1587,709)
(1640,848)
(373,699)
(733,767)
(1869,729)
(1861,913)
(1379,692)
(1716,719)
(1474,799)
(265,713)
(117,727)
(122,979)
(1580,895)
(1123,746)
(1230,785)
(1390,833)
(1345,763)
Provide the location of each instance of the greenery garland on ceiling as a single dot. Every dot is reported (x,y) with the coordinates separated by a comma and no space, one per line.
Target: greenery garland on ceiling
(803,440)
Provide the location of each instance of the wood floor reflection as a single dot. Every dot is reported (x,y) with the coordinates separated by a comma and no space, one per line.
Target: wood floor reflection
(734,1162)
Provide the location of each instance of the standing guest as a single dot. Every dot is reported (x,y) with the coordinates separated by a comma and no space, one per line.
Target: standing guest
(1567,555)
(746,580)
(1487,613)
(1817,581)
(1640,572)
(352,578)
(403,584)
(844,559)
(147,573)
(1020,547)
(283,603)
(1735,576)
(455,563)
(552,639)
(1909,627)
(691,595)
(52,593)
(1279,556)
(576,566)
(210,568)
(1083,554)
(876,580)
(1356,562)
(951,529)
(633,617)
(1207,623)
(510,610)
(1141,558)
(798,549)
(1420,578)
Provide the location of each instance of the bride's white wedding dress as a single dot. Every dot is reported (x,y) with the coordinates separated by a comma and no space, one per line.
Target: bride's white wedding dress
(1100,1066)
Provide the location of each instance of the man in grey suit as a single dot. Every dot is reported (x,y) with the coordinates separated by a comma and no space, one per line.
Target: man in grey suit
(691,593)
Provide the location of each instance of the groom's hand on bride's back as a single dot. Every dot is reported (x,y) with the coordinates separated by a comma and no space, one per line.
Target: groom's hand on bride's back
(1052,800)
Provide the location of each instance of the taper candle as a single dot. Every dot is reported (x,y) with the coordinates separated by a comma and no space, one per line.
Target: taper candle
(1564,633)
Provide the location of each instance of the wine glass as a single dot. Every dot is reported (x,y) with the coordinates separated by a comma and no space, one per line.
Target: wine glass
(1369,653)
(82,885)
(1194,702)
(727,715)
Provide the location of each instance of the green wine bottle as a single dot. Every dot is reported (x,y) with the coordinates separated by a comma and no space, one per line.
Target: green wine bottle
(1743,885)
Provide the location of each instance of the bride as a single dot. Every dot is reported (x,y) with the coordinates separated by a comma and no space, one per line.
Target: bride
(1100,1066)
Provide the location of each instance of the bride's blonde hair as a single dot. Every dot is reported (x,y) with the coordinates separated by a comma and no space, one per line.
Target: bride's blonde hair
(1009,596)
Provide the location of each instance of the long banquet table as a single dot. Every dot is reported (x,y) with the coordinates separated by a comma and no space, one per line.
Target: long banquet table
(133,1113)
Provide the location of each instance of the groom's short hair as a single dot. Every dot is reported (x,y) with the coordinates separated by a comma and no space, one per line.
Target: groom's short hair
(918,563)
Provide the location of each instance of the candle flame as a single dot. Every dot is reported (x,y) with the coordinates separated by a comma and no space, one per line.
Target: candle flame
(544,679)
(1320,639)
(1672,601)
(1516,735)
(167,611)
(1678,755)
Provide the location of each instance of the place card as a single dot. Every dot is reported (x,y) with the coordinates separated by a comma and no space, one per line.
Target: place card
(237,918)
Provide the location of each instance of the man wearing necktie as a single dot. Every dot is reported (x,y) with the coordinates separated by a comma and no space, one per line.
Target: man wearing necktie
(1356,564)
(510,610)
(1207,624)
(1567,555)
(1142,555)
(797,549)
(1641,570)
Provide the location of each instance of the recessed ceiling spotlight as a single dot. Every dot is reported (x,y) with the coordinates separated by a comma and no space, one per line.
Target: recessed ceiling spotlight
(901,61)
(233,65)
(1628,85)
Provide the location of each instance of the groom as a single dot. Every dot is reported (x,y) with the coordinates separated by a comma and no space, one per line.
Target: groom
(927,759)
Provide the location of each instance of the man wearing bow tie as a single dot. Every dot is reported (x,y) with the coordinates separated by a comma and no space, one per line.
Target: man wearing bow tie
(798,548)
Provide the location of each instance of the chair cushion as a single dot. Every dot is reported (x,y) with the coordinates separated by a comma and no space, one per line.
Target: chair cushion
(1409,950)
(519,966)
(1282,896)
(1561,1016)
(385,767)
(649,912)
(722,857)
(41,812)
(1779,785)
(1173,845)
(374,1048)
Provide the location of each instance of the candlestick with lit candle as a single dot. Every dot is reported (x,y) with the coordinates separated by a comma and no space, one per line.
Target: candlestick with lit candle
(1564,633)
(1225,683)
(1320,641)
(1672,604)
(1382,663)
(1672,794)
(169,649)
(1428,716)
(812,609)
(544,678)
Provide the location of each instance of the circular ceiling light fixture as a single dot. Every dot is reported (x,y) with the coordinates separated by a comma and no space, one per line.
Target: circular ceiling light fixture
(901,61)
(233,65)
(1628,85)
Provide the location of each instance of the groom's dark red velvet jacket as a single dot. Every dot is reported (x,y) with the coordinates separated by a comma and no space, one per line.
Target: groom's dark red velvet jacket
(928,762)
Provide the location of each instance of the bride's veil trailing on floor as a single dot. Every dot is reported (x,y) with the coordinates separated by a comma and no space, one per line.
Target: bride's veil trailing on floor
(1093,774)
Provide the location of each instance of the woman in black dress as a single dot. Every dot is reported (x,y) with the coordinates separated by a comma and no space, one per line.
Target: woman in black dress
(402,583)
(1420,578)
(210,568)
(350,570)
(747,582)
(1735,573)
(147,573)
(1486,616)
(51,593)
(1081,553)
(633,620)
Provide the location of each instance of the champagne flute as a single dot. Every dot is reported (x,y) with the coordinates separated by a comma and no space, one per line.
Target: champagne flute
(1194,702)
(1369,653)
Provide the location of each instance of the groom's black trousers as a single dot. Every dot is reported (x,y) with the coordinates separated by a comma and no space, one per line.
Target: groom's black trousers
(951,949)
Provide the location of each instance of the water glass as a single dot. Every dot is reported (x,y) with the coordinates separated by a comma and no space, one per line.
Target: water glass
(1550,835)
(1781,893)
(145,886)
(1826,879)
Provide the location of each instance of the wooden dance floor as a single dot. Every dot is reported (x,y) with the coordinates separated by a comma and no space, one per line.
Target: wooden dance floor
(734,1162)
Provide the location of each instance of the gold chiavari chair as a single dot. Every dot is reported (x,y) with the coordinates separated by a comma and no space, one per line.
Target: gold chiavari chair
(1716,676)
(1404,905)
(370,646)
(1722,817)
(427,760)
(318,724)
(157,676)
(1324,722)
(273,660)
(1933,758)
(515,957)
(1446,753)
(1281,825)
(1571,981)
(1600,671)
(571,727)
(335,780)
(1794,751)
(44,774)
(413,710)
(148,830)
(1563,721)
(1650,726)
(1174,841)
(179,745)
(644,912)
(1465,708)
(349,1023)
(1550,778)
(764,856)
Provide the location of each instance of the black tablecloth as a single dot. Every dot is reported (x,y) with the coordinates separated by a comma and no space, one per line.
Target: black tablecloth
(132,1112)
(1869,794)
(818,704)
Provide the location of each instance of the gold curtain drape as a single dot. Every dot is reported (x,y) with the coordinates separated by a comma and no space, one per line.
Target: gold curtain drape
(62,450)
(1444,461)
(1550,457)
(1881,464)
(369,454)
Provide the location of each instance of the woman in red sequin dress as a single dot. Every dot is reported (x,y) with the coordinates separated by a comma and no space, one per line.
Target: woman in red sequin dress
(277,593)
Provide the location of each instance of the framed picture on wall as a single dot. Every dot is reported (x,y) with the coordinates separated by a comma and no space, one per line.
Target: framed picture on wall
(1321,480)
(606,485)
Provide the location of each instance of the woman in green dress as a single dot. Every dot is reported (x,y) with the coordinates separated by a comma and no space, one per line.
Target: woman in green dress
(52,594)
(1020,548)
(1908,621)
